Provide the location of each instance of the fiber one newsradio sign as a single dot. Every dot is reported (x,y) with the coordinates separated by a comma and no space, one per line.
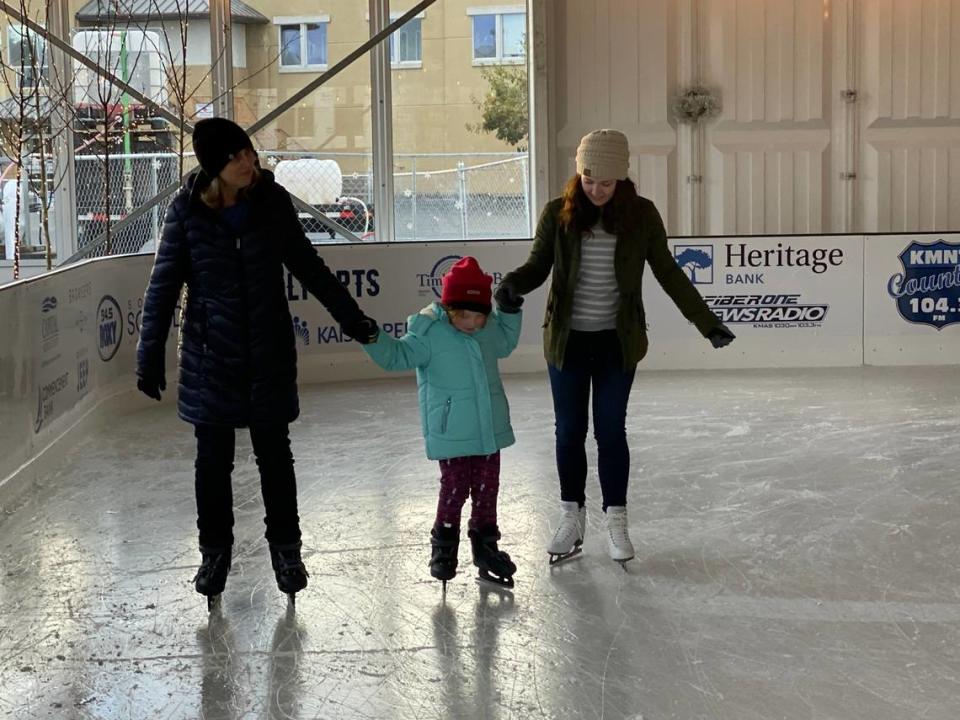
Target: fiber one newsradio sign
(770,277)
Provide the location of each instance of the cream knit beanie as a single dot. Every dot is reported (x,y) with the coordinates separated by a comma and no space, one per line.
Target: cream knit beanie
(604,154)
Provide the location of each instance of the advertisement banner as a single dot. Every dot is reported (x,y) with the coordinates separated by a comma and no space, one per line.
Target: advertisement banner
(791,302)
(912,299)
(73,336)
(390,283)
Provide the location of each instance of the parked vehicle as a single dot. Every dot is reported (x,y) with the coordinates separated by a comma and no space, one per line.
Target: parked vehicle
(320,184)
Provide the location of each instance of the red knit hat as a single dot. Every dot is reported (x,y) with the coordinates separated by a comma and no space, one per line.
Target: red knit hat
(467,287)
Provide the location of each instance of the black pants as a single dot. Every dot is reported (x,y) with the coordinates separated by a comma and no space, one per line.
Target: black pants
(278,483)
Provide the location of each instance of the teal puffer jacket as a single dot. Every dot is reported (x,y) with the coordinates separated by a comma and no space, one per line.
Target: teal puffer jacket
(463,409)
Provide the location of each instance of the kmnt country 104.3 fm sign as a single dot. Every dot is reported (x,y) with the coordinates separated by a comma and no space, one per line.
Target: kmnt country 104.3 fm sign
(928,289)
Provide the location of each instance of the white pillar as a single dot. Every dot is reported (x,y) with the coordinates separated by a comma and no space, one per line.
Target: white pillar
(64,216)
(381,119)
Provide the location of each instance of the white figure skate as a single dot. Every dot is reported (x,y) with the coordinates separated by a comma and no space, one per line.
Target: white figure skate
(568,538)
(618,535)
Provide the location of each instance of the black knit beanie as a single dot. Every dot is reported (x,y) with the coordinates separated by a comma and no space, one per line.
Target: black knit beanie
(216,141)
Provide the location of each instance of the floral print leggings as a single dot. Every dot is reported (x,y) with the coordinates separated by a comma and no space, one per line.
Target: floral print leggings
(477,476)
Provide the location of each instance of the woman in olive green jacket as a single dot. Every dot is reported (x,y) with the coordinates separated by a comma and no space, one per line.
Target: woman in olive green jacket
(595,240)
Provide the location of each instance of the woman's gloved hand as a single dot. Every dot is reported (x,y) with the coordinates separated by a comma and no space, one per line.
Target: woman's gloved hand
(151,385)
(720,336)
(364,331)
(507,297)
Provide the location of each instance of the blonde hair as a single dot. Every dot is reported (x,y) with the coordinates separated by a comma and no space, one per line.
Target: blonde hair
(461,312)
(212,194)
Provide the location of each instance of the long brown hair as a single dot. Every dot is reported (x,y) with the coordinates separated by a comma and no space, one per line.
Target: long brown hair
(212,194)
(580,215)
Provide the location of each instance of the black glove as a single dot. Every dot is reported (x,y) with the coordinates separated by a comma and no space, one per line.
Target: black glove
(364,330)
(720,336)
(151,385)
(507,297)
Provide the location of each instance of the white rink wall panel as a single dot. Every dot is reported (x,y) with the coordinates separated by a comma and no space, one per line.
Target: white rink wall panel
(613,67)
(911,65)
(69,346)
(791,302)
(70,336)
(768,57)
(911,115)
(390,283)
(911,179)
(767,153)
(773,191)
(837,115)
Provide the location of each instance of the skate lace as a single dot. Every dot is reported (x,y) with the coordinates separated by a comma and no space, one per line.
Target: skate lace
(618,533)
(568,529)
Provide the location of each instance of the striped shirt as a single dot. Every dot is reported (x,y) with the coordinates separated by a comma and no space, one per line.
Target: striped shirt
(596,297)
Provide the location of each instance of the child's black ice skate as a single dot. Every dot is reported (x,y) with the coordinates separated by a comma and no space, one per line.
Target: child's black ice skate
(289,568)
(494,564)
(444,542)
(211,578)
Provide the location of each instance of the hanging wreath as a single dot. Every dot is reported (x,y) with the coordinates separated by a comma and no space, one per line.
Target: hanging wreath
(696,103)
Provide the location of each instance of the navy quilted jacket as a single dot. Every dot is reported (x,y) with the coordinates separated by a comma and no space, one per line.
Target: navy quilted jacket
(238,359)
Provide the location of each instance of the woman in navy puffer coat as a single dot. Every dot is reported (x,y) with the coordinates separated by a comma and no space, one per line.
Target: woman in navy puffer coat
(227,236)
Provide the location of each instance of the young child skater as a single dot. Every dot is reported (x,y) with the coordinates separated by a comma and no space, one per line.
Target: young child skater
(454,346)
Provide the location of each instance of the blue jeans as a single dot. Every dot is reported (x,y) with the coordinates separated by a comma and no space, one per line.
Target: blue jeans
(592,358)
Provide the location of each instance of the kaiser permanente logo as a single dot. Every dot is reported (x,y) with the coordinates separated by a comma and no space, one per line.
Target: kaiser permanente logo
(927,292)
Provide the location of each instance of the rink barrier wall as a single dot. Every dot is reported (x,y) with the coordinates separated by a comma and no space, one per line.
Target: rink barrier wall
(69,337)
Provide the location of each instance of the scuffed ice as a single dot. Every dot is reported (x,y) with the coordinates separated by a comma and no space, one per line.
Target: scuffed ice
(797,536)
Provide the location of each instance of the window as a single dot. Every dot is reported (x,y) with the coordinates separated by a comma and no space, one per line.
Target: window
(27,56)
(498,35)
(303,43)
(406,45)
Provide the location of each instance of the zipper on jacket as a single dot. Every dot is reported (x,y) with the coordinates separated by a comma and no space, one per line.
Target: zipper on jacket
(244,305)
(204,325)
(446,415)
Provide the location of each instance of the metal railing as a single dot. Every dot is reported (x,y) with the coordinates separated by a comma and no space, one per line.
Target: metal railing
(448,196)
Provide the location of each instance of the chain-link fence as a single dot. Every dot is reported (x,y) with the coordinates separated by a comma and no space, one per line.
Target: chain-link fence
(436,196)
(133,180)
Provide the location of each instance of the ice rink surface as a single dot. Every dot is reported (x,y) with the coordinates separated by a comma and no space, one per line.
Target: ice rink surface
(798,538)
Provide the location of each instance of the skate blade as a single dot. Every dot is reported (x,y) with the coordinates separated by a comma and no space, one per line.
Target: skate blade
(213,602)
(486,576)
(623,563)
(556,558)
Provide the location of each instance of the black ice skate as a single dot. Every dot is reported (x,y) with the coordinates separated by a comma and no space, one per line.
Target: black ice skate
(289,568)
(444,542)
(494,564)
(211,578)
